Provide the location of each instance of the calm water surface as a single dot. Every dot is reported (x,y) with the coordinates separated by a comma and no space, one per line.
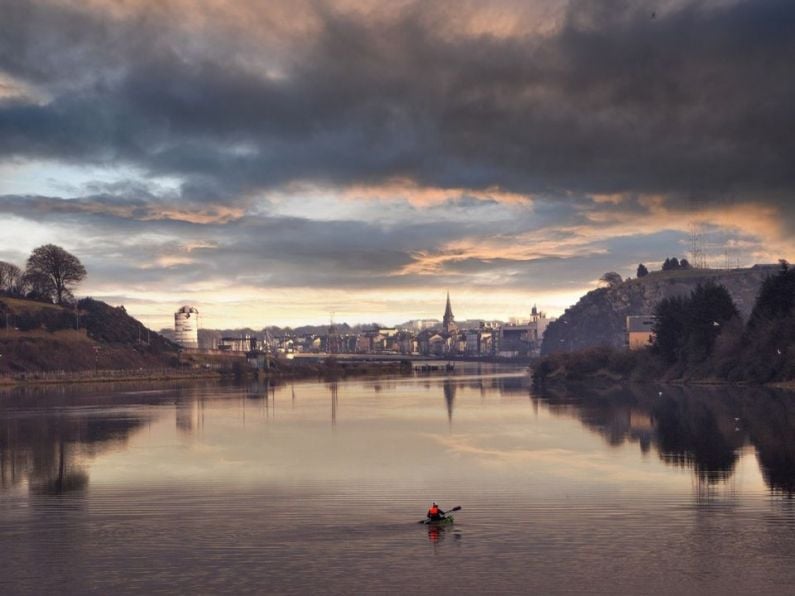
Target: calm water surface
(317,487)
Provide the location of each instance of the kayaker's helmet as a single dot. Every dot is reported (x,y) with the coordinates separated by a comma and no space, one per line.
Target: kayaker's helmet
(434,504)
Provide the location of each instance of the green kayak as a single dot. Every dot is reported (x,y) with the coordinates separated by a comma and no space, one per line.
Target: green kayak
(445,521)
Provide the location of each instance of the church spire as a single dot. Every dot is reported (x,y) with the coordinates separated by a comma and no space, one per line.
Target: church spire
(448,322)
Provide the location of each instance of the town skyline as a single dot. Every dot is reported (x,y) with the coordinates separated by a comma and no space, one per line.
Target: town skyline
(272,163)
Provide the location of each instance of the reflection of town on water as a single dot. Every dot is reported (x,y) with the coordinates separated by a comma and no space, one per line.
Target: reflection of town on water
(48,436)
(704,429)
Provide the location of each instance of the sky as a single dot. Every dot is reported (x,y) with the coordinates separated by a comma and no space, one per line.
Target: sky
(275,162)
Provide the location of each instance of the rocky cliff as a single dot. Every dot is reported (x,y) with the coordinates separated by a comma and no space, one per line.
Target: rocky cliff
(599,318)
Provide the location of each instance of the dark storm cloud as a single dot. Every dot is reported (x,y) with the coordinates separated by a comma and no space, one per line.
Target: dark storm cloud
(695,102)
(135,241)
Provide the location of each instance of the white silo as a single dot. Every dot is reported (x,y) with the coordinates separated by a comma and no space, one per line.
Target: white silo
(186,327)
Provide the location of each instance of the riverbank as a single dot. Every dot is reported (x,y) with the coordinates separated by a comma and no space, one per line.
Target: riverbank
(606,366)
(105,376)
(280,370)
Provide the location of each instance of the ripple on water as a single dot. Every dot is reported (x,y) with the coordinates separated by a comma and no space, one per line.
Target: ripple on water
(299,502)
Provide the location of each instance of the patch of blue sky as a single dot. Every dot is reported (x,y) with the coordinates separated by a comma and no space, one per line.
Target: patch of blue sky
(59,179)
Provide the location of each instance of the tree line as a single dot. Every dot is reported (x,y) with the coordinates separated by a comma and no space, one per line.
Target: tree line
(670,264)
(51,274)
(703,332)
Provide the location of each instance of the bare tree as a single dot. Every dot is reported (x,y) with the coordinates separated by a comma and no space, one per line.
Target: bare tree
(51,268)
(10,278)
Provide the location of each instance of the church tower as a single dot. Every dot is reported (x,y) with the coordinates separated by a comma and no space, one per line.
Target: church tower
(448,321)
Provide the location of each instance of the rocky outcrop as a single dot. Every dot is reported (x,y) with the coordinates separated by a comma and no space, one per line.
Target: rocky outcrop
(599,318)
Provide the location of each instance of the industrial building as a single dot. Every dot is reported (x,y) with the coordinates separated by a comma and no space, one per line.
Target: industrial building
(186,327)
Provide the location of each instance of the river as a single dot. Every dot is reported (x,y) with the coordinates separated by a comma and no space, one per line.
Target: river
(318,487)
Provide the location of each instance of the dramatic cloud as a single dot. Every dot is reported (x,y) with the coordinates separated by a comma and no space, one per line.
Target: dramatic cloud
(412,146)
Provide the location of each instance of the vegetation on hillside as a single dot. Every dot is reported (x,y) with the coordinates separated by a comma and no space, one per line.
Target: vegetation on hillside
(43,327)
(599,318)
(39,336)
(701,337)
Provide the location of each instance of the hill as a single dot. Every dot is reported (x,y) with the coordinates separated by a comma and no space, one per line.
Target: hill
(700,338)
(39,336)
(599,318)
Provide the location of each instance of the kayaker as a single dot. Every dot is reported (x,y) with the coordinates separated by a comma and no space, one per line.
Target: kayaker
(435,513)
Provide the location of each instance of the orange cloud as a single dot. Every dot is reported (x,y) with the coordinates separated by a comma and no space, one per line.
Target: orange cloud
(762,222)
(205,214)
(215,214)
(425,196)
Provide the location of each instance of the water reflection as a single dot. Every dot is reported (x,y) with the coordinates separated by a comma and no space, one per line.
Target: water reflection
(48,437)
(440,535)
(50,452)
(703,429)
(203,489)
(334,388)
(449,389)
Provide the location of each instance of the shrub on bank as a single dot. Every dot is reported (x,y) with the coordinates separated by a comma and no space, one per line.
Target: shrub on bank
(595,362)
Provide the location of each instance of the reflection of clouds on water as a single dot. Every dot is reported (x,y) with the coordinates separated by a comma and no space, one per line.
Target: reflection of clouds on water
(559,462)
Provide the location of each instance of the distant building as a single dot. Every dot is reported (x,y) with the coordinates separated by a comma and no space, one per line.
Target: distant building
(640,331)
(420,324)
(539,323)
(243,343)
(522,340)
(186,327)
(513,341)
(438,345)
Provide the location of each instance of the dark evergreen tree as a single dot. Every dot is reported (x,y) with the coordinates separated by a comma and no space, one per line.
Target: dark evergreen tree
(776,297)
(709,307)
(768,344)
(642,271)
(669,328)
(686,328)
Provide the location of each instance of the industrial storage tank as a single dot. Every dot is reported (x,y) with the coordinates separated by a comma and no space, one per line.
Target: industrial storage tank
(186,327)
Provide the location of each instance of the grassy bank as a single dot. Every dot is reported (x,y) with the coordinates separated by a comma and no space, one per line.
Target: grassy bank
(236,368)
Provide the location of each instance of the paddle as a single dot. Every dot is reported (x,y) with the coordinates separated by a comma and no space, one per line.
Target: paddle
(426,520)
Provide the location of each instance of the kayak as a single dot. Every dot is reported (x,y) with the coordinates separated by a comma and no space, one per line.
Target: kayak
(445,521)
